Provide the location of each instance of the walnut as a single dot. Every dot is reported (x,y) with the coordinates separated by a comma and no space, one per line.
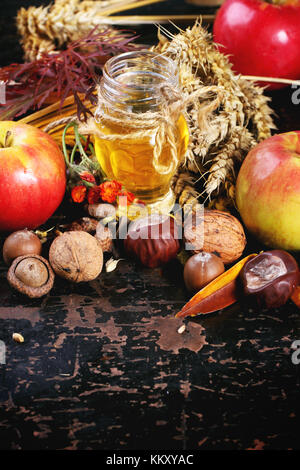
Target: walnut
(31,275)
(215,232)
(76,256)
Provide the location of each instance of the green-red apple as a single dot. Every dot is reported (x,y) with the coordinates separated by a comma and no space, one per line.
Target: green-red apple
(32,176)
(268,191)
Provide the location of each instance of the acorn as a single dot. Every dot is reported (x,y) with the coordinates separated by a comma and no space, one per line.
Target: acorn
(20,243)
(31,275)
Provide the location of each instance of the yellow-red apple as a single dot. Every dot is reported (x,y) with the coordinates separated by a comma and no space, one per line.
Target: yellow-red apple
(32,176)
(268,191)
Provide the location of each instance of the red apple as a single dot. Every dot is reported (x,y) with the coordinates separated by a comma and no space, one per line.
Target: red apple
(32,176)
(261,38)
(268,191)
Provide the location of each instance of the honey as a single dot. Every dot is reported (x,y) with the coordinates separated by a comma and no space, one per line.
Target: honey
(130,83)
(131,161)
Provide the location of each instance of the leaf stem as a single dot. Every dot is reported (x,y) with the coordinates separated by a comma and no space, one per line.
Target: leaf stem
(64,145)
(79,144)
(73,154)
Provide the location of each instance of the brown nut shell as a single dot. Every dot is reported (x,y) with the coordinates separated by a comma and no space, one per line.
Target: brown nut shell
(270,278)
(152,240)
(104,237)
(216,232)
(31,263)
(200,269)
(21,243)
(32,272)
(76,256)
(85,224)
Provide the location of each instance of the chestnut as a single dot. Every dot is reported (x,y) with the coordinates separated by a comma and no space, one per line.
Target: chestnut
(270,278)
(201,269)
(22,242)
(153,240)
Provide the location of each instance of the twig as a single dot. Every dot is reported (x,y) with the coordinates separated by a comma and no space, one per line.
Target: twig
(158,19)
(125,5)
(287,81)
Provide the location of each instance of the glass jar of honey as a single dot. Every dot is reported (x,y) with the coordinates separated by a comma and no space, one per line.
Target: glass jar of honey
(128,118)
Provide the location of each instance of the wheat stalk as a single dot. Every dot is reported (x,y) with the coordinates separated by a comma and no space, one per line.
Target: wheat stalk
(43,29)
(243,117)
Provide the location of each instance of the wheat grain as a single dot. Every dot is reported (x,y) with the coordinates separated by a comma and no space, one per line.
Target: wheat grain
(220,137)
(44,29)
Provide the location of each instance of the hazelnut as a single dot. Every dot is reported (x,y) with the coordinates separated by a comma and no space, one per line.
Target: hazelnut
(76,256)
(20,243)
(31,275)
(201,269)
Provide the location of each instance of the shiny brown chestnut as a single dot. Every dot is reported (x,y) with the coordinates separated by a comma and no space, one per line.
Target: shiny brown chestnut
(153,240)
(270,278)
(201,269)
(20,243)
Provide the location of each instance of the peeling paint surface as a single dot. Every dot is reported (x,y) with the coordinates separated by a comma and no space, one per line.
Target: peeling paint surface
(104,367)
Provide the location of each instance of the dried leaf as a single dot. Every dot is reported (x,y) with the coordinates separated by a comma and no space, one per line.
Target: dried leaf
(74,70)
(218,294)
(296,296)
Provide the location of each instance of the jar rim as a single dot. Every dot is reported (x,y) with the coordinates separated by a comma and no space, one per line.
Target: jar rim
(163,67)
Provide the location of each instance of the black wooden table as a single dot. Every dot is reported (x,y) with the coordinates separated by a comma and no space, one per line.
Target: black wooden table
(104,367)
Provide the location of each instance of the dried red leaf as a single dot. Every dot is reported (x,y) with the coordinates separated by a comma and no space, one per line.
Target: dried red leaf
(75,70)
